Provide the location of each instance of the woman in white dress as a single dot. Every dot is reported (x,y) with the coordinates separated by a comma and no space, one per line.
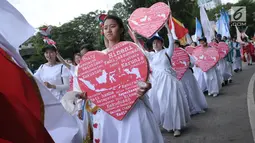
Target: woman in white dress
(55,77)
(167,96)
(237,60)
(53,74)
(139,125)
(196,98)
(212,77)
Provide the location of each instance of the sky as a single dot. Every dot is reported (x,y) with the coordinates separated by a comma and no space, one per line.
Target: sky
(57,12)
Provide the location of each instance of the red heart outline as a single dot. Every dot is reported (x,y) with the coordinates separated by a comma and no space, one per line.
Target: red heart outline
(110,79)
(147,21)
(180,62)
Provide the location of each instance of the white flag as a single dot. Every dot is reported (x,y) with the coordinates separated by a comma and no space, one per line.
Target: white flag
(238,35)
(206,25)
(14,30)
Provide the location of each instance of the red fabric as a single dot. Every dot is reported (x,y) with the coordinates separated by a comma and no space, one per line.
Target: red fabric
(180,31)
(71,84)
(20,105)
(248,49)
(4,141)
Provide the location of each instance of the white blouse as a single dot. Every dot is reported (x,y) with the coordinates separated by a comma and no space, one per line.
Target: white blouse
(57,75)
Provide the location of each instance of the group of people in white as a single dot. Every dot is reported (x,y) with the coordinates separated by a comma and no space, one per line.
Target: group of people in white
(165,103)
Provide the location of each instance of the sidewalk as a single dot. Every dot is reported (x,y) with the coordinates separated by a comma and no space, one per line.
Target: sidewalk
(227,119)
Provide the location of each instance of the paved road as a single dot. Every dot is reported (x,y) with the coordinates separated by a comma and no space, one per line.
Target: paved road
(226,120)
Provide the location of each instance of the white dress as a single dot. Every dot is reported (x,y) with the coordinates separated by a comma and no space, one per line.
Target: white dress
(200,77)
(196,98)
(213,81)
(167,96)
(223,67)
(138,126)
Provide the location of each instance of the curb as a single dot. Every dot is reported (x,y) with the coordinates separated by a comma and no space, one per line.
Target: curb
(251,105)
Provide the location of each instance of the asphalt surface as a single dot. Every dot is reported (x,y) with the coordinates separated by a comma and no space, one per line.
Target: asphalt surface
(226,120)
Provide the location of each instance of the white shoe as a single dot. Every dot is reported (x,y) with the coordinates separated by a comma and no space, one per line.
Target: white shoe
(201,112)
(215,95)
(177,133)
(209,94)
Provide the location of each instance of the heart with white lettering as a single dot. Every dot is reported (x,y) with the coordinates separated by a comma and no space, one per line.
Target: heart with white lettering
(147,21)
(223,49)
(110,79)
(180,62)
(190,49)
(206,58)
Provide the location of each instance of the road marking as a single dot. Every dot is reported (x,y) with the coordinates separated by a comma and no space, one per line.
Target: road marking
(251,104)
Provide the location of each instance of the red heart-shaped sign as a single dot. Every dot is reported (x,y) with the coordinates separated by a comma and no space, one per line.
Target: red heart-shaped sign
(110,80)
(223,49)
(213,44)
(147,21)
(180,62)
(206,58)
(190,49)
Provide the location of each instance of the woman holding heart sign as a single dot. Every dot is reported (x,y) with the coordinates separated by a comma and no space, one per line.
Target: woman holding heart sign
(207,59)
(139,125)
(167,96)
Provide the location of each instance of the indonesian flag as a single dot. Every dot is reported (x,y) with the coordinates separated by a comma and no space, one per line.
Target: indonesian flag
(178,28)
(21,105)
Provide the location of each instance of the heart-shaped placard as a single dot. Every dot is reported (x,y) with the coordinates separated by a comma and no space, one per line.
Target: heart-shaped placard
(190,49)
(147,21)
(180,62)
(223,49)
(110,80)
(213,44)
(206,58)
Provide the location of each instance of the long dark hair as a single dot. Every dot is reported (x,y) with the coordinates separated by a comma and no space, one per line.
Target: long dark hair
(120,24)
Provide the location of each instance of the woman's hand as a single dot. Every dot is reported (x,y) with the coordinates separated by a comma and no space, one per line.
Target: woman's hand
(82,96)
(48,85)
(143,87)
(80,115)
